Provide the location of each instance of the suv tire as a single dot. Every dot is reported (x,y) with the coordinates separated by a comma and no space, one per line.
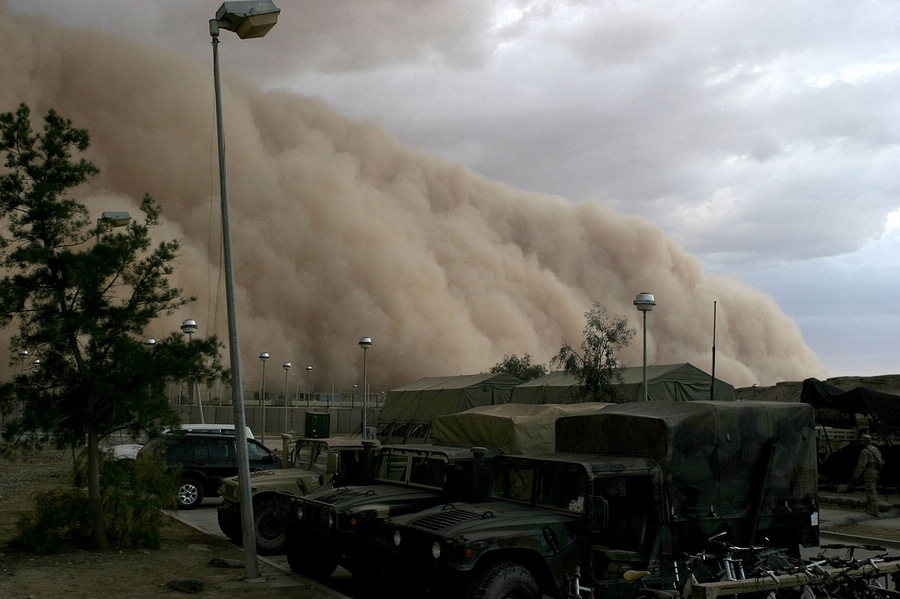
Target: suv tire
(190,493)
(506,579)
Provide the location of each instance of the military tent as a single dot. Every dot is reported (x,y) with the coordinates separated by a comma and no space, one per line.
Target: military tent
(510,428)
(673,382)
(883,409)
(408,411)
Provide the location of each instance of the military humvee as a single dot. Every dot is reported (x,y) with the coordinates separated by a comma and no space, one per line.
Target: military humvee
(633,487)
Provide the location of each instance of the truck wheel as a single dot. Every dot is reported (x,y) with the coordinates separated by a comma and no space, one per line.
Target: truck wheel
(190,493)
(269,515)
(506,580)
(310,560)
(229,527)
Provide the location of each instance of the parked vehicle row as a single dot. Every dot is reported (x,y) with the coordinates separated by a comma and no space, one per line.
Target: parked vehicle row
(628,488)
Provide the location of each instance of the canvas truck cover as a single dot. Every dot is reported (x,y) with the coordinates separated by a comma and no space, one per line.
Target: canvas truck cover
(511,428)
(717,457)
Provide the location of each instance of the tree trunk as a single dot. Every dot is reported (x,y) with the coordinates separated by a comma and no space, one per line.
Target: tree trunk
(94,499)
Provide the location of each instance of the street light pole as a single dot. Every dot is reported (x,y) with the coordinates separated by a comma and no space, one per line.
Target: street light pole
(645,302)
(308,376)
(189,327)
(287,367)
(365,343)
(263,357)
(248,20)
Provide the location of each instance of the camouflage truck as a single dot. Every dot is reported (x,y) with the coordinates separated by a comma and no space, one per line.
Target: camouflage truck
(314,463)
(634,487)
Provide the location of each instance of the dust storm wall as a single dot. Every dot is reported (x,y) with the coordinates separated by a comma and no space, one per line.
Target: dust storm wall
(339,231)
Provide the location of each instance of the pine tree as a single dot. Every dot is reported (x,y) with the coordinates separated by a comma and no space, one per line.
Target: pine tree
(81,295)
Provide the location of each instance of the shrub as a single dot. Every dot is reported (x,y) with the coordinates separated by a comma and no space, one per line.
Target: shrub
(134,493)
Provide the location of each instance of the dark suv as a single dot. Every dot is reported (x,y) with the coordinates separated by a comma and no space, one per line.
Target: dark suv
(205,459)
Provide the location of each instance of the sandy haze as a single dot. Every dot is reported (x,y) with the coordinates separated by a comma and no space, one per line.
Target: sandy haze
(340,231)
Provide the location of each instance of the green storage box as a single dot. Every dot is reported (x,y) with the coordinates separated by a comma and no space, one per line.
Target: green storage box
(318,425)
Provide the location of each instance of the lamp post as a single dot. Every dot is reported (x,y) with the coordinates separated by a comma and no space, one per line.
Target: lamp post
(308,376)
(22,356)
(263,357)
(287,367)
(365,343)
(189,327)
(645,302)
(247,20)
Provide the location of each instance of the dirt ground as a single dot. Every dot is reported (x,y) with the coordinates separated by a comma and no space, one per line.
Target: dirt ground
(136,573)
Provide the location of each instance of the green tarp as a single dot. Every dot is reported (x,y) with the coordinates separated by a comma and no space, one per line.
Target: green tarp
(707,449)
(668,382)
(510,428)
(408,411)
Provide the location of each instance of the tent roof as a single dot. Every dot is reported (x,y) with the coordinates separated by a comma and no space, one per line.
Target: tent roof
(664,381)
(460,381)
(884,408)
(630,375)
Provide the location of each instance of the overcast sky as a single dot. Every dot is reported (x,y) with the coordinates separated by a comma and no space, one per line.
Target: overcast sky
(764,136)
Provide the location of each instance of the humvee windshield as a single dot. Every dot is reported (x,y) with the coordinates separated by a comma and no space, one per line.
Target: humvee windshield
(414,468)
(554,485)
(312,455)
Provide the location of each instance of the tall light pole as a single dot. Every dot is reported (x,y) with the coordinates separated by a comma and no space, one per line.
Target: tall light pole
(287,367)
(22,356)
(365,343)
(248,20)
(189,327)
(308,377)
(645,302)
(263,357)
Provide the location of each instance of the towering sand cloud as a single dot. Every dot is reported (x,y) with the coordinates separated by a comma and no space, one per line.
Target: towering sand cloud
(340,232)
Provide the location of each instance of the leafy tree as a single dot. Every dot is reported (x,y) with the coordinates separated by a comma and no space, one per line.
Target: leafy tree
(520,367)
(596,367)
(82,297)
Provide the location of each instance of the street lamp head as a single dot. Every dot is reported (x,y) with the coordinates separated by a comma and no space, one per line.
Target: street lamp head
(264,356)
(365,342)
(644,301)
(23,354)
(246,19)
(309,369)
(149,341)
(286,366)
(116,218)
(189,327)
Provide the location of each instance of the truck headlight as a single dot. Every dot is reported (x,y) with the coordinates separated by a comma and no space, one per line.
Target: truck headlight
(436,550)
(396,538)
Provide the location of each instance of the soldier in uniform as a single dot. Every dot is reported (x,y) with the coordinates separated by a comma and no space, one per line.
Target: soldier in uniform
(869,466)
